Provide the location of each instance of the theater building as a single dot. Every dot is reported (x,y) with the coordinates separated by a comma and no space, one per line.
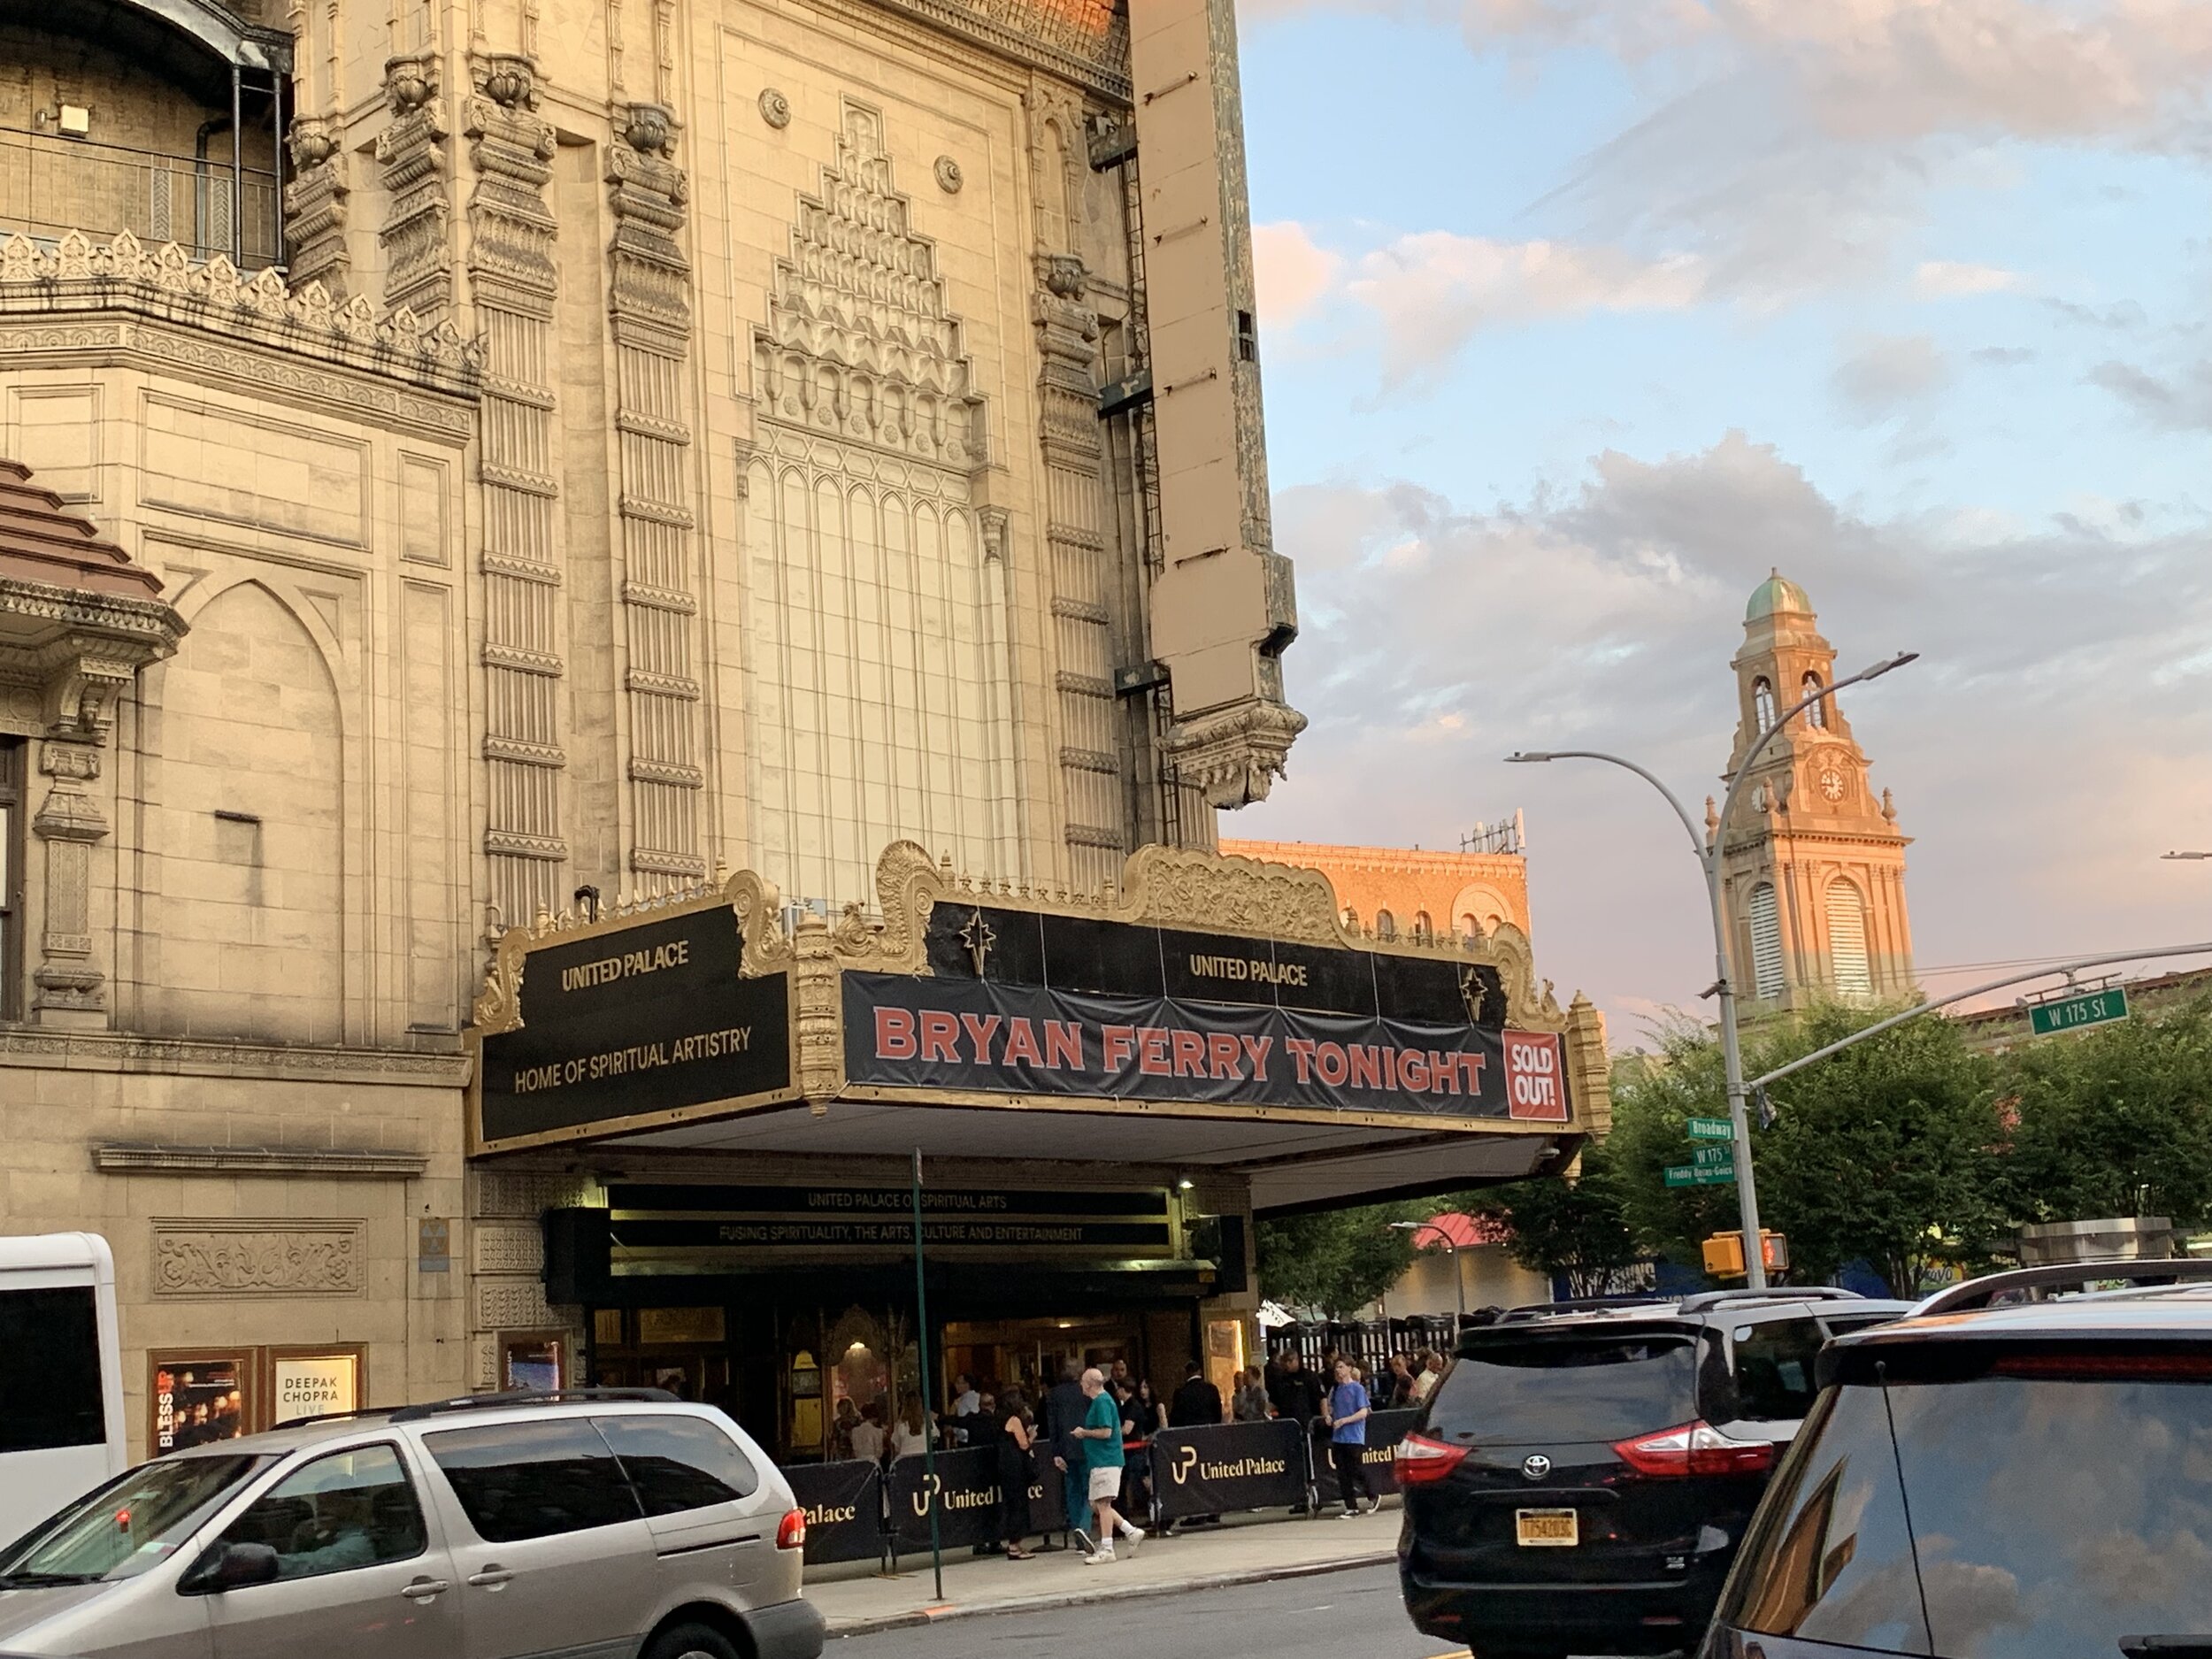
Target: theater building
(724,1120)
(504,466)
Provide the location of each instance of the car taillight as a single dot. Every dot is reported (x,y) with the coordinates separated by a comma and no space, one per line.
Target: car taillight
(1420,1460)
(791,1531)
(2107,1367)
(1695,1448)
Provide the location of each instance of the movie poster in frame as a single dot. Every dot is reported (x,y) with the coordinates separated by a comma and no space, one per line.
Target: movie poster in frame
(198,1396)
(309,1382)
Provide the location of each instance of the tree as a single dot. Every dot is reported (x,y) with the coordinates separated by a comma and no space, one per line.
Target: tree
(1335,1260)
(1886,1153)
(1574,1229)
(2115,1122)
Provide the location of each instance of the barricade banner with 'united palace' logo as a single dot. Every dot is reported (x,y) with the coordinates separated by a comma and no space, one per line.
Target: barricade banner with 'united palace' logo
(1216,1469)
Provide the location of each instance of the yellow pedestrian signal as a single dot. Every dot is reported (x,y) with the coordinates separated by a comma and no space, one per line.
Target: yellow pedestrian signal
(1724,1254)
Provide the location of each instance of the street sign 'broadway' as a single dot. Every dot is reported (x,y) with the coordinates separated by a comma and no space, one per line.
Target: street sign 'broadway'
(2071,1013)
(1710,1129)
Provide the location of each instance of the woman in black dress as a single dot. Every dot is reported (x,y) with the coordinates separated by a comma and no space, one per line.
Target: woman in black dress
(1015,1472)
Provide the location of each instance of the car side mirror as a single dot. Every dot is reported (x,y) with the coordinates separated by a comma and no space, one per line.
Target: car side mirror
(230,1567)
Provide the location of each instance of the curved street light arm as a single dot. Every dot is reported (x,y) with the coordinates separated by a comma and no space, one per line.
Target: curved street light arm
(1697,840)
(1767,737)
(1918,1009)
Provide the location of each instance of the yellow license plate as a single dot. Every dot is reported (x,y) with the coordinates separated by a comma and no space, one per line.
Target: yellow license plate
(1547,1529)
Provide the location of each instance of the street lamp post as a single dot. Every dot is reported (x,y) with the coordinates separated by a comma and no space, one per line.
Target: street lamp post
(1708,858)
(1459,1285)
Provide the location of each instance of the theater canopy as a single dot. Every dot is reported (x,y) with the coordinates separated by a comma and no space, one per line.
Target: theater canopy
(1212,1014)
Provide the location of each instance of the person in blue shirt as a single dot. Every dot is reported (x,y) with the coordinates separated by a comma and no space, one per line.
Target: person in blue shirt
(1346,1411)
(1102,1456)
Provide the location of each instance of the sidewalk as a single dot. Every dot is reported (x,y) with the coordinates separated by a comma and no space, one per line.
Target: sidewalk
(1245,1550)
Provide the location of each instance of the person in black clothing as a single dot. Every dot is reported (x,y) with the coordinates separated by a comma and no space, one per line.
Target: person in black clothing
(1196,1404)
(1295,1394)
(1065,1408)
(1009,1432)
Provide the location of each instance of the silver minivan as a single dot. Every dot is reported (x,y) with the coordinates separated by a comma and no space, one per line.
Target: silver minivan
(591,1525)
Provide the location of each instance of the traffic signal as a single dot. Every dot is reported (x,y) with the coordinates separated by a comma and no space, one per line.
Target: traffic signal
(1724,1254)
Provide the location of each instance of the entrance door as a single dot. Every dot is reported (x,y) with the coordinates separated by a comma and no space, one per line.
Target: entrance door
(360,1572)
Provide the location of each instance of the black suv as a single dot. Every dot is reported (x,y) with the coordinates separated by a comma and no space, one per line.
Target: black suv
(1580,1478)
(1979,1481)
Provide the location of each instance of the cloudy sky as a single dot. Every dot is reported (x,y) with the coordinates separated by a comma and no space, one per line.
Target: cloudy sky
(1577,315)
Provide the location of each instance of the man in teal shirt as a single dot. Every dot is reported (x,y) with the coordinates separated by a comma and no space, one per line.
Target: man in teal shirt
(1102,1457)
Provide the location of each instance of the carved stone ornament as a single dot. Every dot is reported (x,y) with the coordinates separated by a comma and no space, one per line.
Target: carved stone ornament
(499,1002)
(259,1258)
(509,81)
(1234,756)
(950,177)
(1173,887)
(311,142)
(411,81)
(775,109)
(1063,275)
(649,130)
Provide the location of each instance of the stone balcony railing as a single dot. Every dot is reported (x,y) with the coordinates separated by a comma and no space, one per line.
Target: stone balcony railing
(74,276)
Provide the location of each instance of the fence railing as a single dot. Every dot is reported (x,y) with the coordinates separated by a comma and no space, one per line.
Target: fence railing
(50,186)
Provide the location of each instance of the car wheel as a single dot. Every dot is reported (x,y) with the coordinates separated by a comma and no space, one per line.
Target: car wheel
(690,1641)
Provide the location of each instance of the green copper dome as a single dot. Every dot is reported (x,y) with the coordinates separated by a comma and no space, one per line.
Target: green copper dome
(1777,593)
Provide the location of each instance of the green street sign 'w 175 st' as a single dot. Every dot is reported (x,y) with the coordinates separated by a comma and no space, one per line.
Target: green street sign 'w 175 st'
(1710,1129)
(1699,1174)
(1713,1158)
(2072,1013)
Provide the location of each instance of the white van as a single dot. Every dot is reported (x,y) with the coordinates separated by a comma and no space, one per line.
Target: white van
(61,1375)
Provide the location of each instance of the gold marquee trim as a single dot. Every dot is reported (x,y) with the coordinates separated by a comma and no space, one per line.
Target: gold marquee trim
(1167,887)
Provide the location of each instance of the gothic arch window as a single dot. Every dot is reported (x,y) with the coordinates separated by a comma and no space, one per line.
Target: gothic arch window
(1762,703)
(1847,939)
(1385,925)
(1469,929)
(1423,928)
(1766,941)
(1816,716)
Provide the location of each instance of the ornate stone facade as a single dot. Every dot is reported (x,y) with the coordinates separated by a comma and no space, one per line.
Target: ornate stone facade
(656,442)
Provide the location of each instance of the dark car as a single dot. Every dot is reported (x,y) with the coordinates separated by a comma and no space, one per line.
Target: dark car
(2025,1481)
(1580,1479)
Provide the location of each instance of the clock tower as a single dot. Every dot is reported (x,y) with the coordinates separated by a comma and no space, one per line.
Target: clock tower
(1812,863)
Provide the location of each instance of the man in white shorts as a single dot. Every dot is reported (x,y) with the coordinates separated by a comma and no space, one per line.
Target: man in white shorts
(1100,1435)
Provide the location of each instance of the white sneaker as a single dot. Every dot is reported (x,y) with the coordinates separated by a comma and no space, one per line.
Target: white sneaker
(1373,1504)
(1098,1558)
(1132,1537)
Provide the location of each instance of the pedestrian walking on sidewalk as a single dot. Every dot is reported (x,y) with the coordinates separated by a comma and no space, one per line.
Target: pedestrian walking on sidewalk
(1100,1435)
(1346,1411)
(1065,1408)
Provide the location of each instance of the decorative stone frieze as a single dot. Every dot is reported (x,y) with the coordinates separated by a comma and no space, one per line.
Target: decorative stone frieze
(256,1258)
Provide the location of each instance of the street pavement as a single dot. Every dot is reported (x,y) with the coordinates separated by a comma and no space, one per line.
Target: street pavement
(856,1599)
(1355,1611)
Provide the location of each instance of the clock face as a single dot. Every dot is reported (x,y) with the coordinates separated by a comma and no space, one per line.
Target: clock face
(1831,784)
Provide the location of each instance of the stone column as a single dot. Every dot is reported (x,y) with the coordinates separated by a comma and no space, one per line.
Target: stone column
(410,158)
(512,282)
(1075,545)
(70,988)
(651,318)
(315,207)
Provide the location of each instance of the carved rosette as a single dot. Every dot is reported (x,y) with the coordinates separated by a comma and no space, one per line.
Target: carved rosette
(315,206)
(412,164)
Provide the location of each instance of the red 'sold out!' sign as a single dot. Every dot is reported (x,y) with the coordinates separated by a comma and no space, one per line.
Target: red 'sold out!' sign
(1535,1085)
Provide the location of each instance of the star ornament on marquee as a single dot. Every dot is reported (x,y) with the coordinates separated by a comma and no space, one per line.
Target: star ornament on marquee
(978,936)
(1473,992)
